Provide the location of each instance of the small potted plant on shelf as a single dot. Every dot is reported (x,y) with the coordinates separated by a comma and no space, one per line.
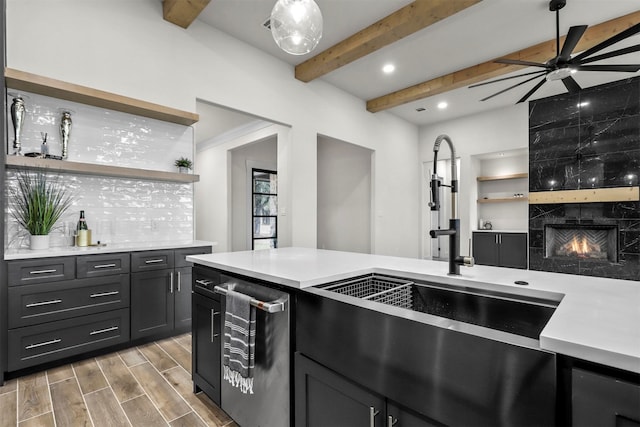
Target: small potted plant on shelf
(38,203)
(183,164)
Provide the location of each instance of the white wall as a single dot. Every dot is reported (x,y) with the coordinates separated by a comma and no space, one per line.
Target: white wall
(344,196)
(263,155)
(493,131)
(125,47)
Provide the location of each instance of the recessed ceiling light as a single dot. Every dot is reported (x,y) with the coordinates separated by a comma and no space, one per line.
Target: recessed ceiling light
(389,68)
(442,105)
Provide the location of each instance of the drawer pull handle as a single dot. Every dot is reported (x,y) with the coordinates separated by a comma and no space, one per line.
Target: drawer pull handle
(213,313)
(104,266)
(104,294)
(38,304)
(55,341)
(43,271)
(179,282)
(204,282)
(153,261)
(102,331)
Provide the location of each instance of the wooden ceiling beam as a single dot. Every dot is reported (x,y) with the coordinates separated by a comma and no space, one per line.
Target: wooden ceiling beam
(487,70)
(182,12)
(401,23)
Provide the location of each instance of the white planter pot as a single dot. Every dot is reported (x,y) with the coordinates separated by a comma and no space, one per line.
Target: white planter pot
(39,242)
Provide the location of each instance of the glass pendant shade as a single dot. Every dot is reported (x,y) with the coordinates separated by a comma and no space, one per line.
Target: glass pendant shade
(296,25)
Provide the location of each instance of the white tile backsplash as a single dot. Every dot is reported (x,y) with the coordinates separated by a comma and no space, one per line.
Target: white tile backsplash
(117,210)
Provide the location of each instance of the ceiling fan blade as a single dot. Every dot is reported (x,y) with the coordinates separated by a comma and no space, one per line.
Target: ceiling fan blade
(518,62)
(570,42)
(571,85)
(611,54)
(509,88)
(535,88)
(507,78)
(615,39)
(623,68)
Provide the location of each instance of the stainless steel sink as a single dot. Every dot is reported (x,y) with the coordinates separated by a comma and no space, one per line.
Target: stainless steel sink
(456,355)
(518,315)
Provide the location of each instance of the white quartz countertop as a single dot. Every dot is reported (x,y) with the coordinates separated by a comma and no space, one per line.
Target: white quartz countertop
(597,319)
(94,250)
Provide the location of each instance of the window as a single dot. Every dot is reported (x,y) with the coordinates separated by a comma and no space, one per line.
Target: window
(264,209)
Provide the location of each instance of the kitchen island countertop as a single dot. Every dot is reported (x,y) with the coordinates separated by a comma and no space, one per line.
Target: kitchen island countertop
(597,320)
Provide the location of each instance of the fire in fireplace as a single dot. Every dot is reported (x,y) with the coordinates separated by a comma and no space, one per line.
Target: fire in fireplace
(586,242)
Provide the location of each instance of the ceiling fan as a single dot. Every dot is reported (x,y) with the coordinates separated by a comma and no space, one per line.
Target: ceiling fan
(563,66)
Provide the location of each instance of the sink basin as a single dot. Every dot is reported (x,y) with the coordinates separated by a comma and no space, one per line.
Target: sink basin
(500,311)
(457,355)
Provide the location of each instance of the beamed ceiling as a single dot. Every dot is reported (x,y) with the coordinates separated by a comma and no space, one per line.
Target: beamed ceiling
(443,32)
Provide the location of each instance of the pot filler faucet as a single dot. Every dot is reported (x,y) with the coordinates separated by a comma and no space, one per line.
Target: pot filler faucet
(455,260)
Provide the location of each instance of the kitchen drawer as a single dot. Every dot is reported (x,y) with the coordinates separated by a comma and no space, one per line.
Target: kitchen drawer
(181,254)
(38,344)
(41,270)
(102,265)
(204,280)
(33,304)
(151,260)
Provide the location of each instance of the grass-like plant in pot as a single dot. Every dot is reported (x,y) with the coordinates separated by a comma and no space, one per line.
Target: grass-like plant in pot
(183,164)
(38,203)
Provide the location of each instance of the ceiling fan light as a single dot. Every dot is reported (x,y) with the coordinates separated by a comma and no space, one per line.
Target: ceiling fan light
(296,25)
(559,74)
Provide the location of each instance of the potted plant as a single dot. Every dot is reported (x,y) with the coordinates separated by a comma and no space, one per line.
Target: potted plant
(38,203)
(183,164)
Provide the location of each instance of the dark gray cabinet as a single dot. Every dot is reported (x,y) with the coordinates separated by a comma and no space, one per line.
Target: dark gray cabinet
(152,303)
(58,307)
(324,399)
(603,400)
(327,399)
(206,351)
(161,291)
(500,249)
(55,312)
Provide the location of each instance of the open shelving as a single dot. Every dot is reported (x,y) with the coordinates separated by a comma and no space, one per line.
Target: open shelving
(34,163)
(28,82)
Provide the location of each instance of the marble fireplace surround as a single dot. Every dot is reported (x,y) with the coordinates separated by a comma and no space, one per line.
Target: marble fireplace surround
(584,158)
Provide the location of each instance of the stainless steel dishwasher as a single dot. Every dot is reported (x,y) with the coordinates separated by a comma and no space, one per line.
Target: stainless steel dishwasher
(268,406)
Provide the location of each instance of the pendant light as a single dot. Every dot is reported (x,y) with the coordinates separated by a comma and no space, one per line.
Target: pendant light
(296,25)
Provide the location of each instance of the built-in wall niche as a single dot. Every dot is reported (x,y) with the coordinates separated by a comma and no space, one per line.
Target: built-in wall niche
(503,190)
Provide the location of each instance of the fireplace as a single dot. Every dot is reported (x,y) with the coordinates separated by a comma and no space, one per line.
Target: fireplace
(587,242)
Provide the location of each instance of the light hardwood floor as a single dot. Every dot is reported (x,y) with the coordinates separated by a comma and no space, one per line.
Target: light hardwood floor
(148,386)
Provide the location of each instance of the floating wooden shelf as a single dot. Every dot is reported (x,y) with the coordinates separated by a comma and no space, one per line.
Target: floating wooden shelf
(501,177)
(503,200)
(21,162)
(617,194)
(34,83)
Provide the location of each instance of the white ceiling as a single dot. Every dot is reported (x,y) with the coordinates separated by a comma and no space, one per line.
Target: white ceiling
(487,30)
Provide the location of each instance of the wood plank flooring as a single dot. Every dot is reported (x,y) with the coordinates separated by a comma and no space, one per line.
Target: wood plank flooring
(148,386)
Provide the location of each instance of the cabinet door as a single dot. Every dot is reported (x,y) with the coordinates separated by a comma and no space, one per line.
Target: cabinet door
(513,250)
(326,399)
(152,307)
(206,345)
(399,416)
(599,400)
(485,248)
(182,298)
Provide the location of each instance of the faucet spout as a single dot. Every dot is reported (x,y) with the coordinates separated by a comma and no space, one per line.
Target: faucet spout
(455,260)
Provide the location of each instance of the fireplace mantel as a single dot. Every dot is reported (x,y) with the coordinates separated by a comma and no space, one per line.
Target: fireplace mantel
(592,195)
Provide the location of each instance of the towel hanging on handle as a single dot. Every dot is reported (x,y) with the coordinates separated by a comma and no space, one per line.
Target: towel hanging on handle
(239,340)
